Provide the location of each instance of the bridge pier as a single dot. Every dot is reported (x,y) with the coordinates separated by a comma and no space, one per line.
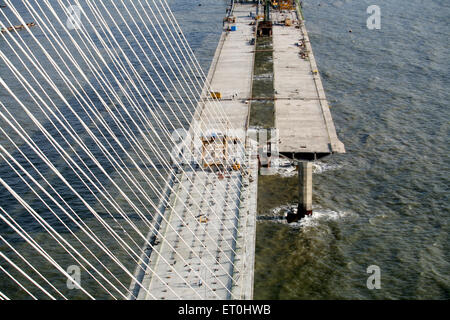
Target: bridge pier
(305,188)
(304,194)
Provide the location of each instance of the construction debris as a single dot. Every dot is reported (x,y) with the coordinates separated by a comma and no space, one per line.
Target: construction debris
(18,27)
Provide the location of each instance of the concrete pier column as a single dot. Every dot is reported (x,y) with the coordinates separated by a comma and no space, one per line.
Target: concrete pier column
(305,188)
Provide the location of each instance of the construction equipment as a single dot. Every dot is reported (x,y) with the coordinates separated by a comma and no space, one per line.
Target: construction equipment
(216,95)
(17,27)
(286,4)
(214,150)
(220,150)
(265,27)
(236,166)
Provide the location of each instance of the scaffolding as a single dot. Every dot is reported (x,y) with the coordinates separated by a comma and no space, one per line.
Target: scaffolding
(219,150)
(283,4)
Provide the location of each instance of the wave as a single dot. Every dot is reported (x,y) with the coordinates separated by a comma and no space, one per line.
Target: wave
(287,169)
(319,215)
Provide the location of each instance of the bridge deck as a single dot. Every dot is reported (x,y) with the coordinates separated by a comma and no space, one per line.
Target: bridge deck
(220,248)
(214,237)
(231,74)
(302,113)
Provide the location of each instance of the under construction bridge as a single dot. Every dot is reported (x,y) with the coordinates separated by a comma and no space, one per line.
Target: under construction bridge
(126,172)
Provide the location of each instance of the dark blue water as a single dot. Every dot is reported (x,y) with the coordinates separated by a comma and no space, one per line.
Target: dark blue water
(132,157)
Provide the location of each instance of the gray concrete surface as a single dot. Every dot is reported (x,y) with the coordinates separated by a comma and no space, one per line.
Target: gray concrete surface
(206,248)
(206,245)
(302,112)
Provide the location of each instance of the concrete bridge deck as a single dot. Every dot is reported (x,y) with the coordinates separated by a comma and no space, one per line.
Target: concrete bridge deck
(231,74)
(210,225)
(211,220)
(302,115)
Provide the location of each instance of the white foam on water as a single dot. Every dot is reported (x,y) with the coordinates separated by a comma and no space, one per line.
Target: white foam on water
(321,215)
(321,167)
(318,216)
(286,168)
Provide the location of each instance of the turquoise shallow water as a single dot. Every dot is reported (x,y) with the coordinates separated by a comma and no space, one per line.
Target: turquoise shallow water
(383,203)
